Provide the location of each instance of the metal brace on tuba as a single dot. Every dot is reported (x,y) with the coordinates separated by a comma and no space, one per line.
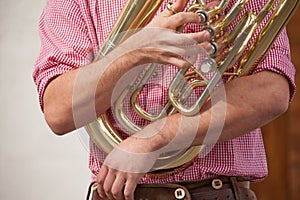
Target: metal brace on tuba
(137,13)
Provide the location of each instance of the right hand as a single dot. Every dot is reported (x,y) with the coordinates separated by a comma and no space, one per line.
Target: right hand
(159,42)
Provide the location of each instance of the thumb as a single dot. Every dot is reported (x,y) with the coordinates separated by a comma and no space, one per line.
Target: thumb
(179,5)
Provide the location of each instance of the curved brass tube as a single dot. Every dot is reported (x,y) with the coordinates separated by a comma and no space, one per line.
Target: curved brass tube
(137,13)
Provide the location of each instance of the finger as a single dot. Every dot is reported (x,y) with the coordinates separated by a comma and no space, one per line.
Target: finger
(117,188)
(129,189)
(178,62)
(175,7)
(188,54)
(100,180)
(182,18)
(199,37)
(169,39)
(109,181)
(179,5)
(187,50)
(171,55)
(211,7)
(211,48)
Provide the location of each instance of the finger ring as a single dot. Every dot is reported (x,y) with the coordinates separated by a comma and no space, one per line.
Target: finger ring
(170,8)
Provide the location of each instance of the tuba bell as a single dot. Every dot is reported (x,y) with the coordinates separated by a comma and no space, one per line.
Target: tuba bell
(137,13)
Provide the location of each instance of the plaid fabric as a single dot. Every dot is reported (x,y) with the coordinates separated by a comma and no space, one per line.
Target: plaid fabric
(72,32)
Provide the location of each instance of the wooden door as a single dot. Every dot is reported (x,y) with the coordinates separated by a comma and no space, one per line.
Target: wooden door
(282,139)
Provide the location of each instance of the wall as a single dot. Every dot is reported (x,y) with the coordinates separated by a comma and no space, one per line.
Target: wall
(34,164)
(282,139)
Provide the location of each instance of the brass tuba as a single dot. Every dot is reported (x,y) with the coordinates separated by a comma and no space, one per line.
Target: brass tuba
(137,13)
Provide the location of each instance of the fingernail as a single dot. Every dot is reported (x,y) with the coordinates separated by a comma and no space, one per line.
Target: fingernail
(100,195)
(207,35)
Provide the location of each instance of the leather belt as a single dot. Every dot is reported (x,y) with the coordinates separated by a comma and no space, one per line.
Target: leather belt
(217,183)
(230,188)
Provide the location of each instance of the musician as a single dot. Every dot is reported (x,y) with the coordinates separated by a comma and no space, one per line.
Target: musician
(72,32)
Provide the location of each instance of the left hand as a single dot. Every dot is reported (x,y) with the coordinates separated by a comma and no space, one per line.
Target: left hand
(124,167)
(114,184)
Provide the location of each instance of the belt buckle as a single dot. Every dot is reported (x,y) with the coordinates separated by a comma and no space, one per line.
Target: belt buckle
(217,184)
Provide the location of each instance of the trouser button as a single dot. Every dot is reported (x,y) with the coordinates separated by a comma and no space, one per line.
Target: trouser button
(179,193)
(217,184)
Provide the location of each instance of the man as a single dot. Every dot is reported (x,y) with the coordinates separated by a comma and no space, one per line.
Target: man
(72,32)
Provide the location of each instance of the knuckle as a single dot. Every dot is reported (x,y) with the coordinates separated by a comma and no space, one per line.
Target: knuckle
(99,192)
(115,193)
(128,196)
(100,182)
(106,190)
(181,17)
(185,17)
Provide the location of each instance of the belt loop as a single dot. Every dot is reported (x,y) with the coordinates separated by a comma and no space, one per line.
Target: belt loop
(235,188)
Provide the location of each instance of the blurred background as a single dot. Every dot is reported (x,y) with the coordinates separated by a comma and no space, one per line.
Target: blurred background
(282,138)
(37,165)
(34,163)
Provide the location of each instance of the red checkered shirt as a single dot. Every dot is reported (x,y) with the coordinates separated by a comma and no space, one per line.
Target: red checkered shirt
(73,30)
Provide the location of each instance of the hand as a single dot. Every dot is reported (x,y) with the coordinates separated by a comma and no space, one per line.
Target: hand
(123,169)
(159,42)
(113,184)
(132,158)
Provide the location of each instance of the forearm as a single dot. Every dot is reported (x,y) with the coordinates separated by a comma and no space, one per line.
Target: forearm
(251,102)
(74,93)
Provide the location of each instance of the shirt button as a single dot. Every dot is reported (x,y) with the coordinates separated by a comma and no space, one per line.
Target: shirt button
(179,193)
